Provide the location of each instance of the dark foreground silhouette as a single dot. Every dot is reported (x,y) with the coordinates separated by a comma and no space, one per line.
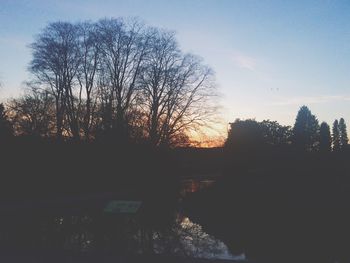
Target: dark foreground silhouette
(279,206)
(275,204)
(54,197)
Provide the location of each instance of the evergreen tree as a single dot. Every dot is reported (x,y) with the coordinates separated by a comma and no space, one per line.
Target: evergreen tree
(336,136)
(343,135)
(325,138)
(306,130)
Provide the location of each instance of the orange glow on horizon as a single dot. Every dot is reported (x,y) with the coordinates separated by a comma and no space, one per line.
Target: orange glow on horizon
(209,137)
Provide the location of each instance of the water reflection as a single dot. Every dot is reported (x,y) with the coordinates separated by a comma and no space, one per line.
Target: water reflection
(193,239)
(197,243)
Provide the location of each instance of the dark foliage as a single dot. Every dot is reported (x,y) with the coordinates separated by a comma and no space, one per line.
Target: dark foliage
(252,134)
(305,130)
(343,135)
(325,138)
(336,136)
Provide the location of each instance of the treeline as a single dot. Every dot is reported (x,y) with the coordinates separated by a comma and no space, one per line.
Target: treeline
(114,78)
(285,192)
(306,134)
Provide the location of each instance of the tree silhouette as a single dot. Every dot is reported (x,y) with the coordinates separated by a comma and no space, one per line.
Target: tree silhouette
(55,65)
(174,88)
(245,133)
(87,76)
(120,79)
(306,130)
(325,138)
(33,114)
(343,135)
(249,133)
(275,133)
(5,125)
(124,45)
(336,136)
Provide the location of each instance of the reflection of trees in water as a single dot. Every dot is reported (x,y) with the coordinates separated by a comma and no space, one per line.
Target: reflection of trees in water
(117,235)
(188,239)
(111,234)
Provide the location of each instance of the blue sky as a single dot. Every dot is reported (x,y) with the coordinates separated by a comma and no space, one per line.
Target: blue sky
(270,57)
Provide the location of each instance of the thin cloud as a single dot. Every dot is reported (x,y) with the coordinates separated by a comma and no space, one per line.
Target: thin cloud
(244,61)
(311,100)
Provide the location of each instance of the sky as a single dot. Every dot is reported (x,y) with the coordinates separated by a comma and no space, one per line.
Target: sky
(269,57)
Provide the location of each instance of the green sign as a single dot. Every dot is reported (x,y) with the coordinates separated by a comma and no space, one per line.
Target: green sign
(122,207)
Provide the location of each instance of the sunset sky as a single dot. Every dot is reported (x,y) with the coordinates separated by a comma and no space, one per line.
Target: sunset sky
(270,57)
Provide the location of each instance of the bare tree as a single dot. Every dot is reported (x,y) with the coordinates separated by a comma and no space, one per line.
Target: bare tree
(122,77)
(124,46)
(175,88)
(88,75)
(6,129)
(55,64)
(155,79)
(33,113)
